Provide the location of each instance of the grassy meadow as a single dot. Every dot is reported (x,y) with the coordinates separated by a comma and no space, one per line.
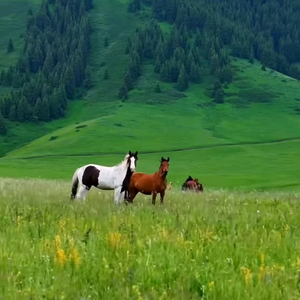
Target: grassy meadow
(216,245)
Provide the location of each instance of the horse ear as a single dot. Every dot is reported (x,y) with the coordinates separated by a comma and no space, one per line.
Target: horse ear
(136,153)
(162,159)
(168,158)
(129,153)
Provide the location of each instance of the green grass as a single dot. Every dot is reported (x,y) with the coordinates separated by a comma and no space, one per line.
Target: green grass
(216,245)
(260,107)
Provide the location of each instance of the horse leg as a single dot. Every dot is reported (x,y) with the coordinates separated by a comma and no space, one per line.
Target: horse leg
(82,192)
(162,195)
(132,194)
(154,194)
(117,194)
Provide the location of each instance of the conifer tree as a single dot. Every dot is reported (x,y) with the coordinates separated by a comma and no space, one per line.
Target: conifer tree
(123,92)
(3,128)
(10,46)
(182,82)
(106,75)
(195,73)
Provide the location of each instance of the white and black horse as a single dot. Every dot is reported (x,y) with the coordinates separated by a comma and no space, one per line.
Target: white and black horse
(115,178)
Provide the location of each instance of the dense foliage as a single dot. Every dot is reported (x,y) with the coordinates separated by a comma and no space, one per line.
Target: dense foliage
(268,31)
(53,63)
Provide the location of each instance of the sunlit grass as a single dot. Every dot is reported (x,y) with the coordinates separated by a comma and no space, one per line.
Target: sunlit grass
(216,245)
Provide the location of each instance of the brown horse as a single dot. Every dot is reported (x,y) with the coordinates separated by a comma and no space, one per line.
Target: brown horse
(192,184)
(148,184)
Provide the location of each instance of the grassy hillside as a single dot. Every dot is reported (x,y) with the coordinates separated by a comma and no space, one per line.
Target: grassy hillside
(259,117)
(193,247)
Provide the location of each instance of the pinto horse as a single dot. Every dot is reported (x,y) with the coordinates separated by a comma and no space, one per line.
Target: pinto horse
(148,184)
(115,178)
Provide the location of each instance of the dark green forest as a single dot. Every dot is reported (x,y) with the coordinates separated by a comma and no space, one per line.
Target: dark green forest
(53,64)
(210,31)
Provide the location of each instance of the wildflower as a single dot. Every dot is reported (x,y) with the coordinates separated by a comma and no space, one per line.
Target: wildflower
(18,221)
(163,233)
(261,274)
(74,256)
(57,242)
(61,257)
(247,274)
(62,224)
(137,292)
(297,263)
(262,258)
(114,239)
(211,285)
(207,236)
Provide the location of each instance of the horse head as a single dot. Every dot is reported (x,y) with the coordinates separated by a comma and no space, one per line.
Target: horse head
(131,160)
(200,187)
(196,181)
(164,166)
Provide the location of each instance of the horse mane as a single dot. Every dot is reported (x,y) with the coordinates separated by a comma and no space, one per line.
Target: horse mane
(189,178)
(125,159)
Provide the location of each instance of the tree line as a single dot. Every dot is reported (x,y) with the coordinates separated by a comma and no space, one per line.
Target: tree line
(265,30)
(53,63)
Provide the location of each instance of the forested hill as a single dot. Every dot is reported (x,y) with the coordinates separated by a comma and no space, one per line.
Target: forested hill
(268,31)
(53,63)
(205,34)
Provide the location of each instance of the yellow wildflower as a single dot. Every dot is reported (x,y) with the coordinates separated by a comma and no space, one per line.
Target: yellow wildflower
(247,274)
(297,263)
(137,292)
(61,257)
(18,221)
(206,236)
(57,242)
(261,274)
(163,232)
(62,224)
(262,258)
(114,239)
(211,285)
(74,256)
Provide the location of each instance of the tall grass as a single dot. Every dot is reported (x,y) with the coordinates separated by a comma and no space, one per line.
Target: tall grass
(216,245)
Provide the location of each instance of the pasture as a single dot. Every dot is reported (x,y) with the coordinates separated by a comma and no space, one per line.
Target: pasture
(250,166)
(215,245)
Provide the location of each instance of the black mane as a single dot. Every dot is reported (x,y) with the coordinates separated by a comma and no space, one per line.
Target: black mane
(183,187)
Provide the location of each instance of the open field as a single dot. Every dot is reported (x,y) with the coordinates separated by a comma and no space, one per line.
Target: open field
(214,245)
(265,166)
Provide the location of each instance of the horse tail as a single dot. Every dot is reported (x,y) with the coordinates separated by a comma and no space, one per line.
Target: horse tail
(75,183)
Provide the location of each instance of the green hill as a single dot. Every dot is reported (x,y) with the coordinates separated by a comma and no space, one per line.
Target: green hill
(250,140)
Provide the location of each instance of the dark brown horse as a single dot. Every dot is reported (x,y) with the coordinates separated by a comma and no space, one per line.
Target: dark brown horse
(192,184)
(148,184)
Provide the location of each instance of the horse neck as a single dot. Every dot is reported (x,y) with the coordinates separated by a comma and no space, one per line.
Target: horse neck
(159,174)
(123,166)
